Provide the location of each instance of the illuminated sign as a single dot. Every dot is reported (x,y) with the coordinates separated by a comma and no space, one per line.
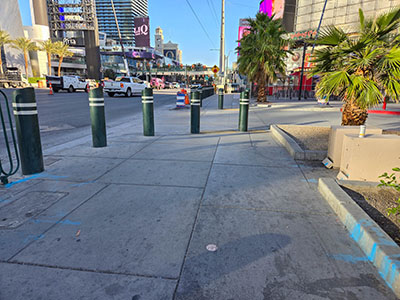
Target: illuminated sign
(270,7)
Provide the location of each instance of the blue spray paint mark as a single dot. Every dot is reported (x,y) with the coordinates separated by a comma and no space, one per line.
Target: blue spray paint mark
(63,222)
(312,180)
(372,255)
(392,275)
(33,237)
(389,267)
(8,185)
(81,184)
(356,233)
(5,201)
(349,258)
(42,175)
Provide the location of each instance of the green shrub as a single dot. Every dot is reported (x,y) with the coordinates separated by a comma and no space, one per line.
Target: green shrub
(35,79)
(391,181)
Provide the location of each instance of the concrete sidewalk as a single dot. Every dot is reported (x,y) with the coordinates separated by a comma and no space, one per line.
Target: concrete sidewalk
(134,220)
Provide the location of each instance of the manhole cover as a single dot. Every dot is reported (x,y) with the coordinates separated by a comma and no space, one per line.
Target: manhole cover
(25,207)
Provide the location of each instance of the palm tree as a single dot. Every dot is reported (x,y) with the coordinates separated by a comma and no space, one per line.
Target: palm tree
(25,45)
(48,46)
(61,50)
(4,39)
(362,69)
(262,52)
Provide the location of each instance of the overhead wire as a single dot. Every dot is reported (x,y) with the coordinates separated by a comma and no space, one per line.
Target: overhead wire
(201,24)
(239,4)
(211,5)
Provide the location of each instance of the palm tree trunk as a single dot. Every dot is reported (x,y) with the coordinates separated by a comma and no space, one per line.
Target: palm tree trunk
(353,115)
(1,63)
(59,65)
(49,63)
(261,93)
(26,64)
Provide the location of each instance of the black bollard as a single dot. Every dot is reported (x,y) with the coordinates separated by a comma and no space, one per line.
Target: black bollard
(28,132)
(195,113)
(97,116)
(148,112)
(244,111)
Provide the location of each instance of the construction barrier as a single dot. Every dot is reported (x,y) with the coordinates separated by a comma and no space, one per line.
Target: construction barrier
(180,100)
(51,89)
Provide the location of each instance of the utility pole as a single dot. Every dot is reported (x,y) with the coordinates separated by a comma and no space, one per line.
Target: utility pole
(222,44)
(120,40)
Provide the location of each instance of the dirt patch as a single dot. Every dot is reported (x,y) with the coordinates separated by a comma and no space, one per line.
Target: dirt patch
(314,138)
(390,131)
(375,201)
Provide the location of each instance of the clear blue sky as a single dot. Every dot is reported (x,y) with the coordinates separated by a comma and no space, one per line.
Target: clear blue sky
(181,26)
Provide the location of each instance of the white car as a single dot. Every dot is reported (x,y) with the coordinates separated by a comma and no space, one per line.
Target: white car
(128,86)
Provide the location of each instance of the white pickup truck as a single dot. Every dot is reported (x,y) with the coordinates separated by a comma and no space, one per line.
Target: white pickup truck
(128,86)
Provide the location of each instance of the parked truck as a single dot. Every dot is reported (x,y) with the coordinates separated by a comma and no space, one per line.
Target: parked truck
(125,85)
(12,78)
(67,83)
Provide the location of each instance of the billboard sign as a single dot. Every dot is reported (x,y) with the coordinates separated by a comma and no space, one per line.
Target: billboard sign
(271,7)
(142,32)
(170,53)
(243,29)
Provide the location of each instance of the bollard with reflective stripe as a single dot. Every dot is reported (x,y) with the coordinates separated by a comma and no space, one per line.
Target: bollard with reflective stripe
(220,99)
(97,115)
(201,98)
(28,133)
(244,111)
(148,112)
(195,113)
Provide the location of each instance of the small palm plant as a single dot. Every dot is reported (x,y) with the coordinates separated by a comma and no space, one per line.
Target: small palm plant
(4,39)
(25,45)
(61,50)
(262,52)
(48,47)
(361,69)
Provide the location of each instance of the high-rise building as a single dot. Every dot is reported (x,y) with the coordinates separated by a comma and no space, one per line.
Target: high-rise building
(126,11)
(342,13)
(11,22)
(74,22)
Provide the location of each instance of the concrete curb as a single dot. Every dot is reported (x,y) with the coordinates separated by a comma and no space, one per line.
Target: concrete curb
(293,148)
(378,247)
(290,107)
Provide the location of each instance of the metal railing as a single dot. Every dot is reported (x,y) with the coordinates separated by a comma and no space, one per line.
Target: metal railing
(12,168)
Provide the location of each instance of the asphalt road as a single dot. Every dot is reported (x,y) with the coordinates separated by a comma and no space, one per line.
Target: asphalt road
(65,116)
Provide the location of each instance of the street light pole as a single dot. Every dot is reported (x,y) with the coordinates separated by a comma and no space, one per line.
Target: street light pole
(227,64)
(120,40)
(222,44)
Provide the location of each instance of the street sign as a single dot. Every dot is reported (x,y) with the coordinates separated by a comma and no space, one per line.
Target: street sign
(215,69)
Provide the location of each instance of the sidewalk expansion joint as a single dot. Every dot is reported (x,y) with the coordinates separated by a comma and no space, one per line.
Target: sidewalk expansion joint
(180,160)
(15,262)
(153,185)
(125,159)
(257,166)
(308,213)
(195,222)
